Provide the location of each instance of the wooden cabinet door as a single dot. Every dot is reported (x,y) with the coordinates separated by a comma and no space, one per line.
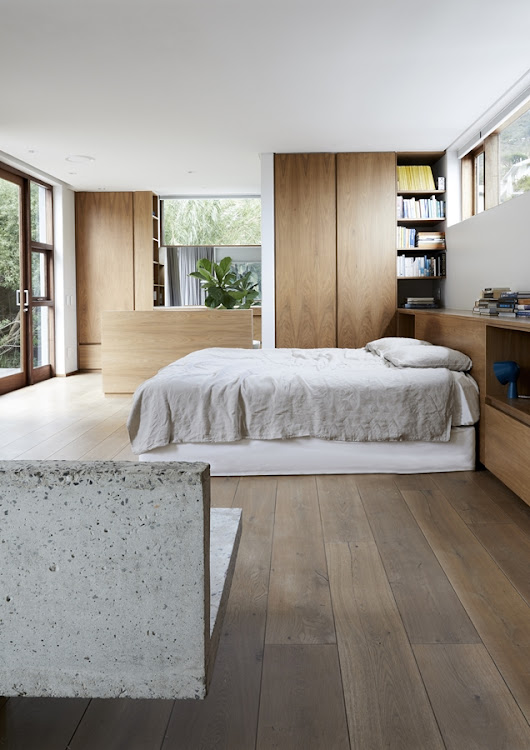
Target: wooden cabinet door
(305,229)
(104,259)
(366,247)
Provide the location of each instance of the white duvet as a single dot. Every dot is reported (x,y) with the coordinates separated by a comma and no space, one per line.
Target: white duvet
(224,395)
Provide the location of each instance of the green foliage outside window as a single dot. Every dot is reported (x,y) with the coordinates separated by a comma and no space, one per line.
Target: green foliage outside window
(212,221)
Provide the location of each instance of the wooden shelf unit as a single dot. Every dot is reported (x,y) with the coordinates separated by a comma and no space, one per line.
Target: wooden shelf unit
(158,267)
(504,428)
(421,286)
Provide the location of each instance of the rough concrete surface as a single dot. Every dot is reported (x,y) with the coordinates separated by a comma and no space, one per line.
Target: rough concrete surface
(104,580)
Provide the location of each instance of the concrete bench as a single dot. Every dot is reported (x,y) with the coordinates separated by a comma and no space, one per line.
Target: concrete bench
(113,578)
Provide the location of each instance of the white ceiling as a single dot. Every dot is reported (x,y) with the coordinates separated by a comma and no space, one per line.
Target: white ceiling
(181,96)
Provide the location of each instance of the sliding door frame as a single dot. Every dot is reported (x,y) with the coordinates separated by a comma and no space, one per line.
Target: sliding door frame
(28,302)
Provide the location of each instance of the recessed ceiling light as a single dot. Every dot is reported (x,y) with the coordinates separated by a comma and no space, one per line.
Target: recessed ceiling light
(80,159)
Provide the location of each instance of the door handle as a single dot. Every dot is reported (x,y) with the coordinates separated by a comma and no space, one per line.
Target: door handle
(26,297)
(17,298)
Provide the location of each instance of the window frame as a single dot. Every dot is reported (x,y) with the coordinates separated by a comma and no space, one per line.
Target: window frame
(490,145)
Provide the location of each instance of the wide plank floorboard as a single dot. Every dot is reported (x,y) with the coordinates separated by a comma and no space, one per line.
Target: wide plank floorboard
(498,612)
(386,702)
(511,504)
(122,724)
(301,706)
(39,723)
(429,607)
(469,499)
(473,706)
(299,600)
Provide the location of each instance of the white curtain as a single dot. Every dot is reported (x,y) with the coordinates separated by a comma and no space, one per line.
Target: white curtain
(183,288)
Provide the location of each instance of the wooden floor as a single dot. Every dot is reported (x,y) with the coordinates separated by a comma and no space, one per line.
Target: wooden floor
(374,611)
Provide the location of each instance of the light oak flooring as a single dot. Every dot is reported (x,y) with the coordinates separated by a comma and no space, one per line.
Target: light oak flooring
(366,612)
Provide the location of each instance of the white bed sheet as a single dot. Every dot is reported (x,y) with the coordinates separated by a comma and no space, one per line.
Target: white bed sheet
(314,456)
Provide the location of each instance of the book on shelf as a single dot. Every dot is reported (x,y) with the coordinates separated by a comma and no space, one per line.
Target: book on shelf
(415,177)
(522,314)
(406,238)
(495,292)
(420,208)
(420,303)
(509,293)
(420,266)
(430,240)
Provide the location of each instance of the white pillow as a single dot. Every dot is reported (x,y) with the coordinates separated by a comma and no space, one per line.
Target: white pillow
(391,343)
(429,356)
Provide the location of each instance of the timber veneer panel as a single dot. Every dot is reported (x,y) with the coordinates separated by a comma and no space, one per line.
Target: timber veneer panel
(305,239)
(366,257)
(104,259)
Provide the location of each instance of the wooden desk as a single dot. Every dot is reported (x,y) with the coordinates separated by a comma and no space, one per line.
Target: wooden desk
(504,428)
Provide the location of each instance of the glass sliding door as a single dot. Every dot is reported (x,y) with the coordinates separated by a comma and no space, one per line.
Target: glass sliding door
(26,288)
(12,329)
(41,273)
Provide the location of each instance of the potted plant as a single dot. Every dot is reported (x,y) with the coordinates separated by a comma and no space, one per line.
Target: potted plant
(225,288)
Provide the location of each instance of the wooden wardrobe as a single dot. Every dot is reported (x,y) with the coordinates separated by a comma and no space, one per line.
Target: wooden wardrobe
(114,262)
(335,257)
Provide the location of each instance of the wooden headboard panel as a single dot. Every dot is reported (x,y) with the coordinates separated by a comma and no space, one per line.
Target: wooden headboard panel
(136,344)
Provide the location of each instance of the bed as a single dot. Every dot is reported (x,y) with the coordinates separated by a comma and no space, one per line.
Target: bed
(397,405)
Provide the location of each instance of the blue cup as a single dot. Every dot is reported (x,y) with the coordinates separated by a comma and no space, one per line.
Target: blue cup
(507,372)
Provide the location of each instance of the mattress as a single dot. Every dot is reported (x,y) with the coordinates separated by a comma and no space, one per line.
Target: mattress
(314,456)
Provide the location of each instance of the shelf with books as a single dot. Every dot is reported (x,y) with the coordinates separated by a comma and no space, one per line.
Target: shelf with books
(420,225)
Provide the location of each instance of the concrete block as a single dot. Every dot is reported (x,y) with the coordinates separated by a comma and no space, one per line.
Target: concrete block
(104,579)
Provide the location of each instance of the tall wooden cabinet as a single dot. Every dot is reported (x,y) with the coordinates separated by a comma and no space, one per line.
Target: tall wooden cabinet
(335,248)
(366,266)
(305,239)
(114,262)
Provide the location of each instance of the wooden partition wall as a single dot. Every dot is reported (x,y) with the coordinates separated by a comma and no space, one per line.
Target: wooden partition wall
(136,344)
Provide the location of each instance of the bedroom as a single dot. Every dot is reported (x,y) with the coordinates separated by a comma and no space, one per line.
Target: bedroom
(235,714)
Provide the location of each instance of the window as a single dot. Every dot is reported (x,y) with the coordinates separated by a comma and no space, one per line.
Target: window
(514,154)
(478,197)
(212,228)
(498,169)
(211,221)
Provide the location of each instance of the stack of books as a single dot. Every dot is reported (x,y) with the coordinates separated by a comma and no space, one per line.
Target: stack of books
(519,301)
(417,177)
(420,303)
(430,240)
(497,300)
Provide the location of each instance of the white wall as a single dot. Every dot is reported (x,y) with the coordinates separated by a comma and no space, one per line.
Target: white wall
(490,249)
(65,282)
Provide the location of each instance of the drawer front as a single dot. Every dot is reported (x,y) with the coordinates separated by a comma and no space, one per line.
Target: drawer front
(507,453)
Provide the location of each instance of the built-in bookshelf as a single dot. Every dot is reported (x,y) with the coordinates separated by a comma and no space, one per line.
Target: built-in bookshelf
(420,220)
(158,266)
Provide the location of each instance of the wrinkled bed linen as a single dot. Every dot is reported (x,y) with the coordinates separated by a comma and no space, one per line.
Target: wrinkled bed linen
(223,395)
